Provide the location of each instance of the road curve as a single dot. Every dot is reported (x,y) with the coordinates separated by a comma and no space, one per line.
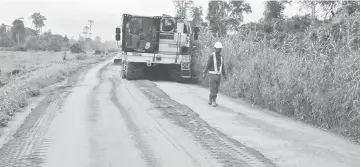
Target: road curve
(106,121)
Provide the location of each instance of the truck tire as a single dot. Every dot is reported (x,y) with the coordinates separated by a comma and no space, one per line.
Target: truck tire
(175,74)
(134,71)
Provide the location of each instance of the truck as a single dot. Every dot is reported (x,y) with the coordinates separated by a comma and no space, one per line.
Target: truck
(148,41)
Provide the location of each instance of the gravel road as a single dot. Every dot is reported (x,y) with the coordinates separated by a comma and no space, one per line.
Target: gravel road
(104,121)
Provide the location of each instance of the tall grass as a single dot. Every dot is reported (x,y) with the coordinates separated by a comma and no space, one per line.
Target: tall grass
(313,76)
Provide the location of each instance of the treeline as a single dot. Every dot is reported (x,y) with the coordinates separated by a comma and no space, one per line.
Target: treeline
(306,67)
(226,17)
(20,38)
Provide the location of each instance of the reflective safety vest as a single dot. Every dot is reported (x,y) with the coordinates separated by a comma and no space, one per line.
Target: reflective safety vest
(215,65)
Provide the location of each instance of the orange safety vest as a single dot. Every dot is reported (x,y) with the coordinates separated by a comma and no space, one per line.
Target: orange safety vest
(215,65)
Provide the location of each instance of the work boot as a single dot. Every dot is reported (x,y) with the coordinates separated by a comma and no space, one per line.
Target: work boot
(209,102)
(214,104)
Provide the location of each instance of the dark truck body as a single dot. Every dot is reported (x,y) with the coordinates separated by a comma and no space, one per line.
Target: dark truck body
(141,27)
(159,40)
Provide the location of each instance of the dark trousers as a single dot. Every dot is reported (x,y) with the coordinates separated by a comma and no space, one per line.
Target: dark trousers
(214,82)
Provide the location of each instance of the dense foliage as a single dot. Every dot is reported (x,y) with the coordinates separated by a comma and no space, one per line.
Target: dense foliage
(307,69)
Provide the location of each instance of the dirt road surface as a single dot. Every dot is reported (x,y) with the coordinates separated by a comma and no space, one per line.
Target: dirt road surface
(104,121)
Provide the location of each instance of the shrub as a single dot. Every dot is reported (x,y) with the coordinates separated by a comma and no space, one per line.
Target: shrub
(5,41)
(55,44)
(56,48)
(34,44)
(20,48)
(76,48)
(313,76)
(81,56)
(97,52)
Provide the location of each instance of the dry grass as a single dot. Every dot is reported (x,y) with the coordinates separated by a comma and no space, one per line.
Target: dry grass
(27,61)
(38,70)
(312,76)
(81,56)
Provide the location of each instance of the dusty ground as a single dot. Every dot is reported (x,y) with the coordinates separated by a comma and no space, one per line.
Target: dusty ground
(106,121)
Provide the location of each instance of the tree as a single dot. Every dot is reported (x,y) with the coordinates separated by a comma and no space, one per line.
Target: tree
(223,15)
(18,30)
(196,16)
(346,6)
(217,17)
(311,5)
(330,8)
(56,42)
(5,41)
(351,6)
(2,29)
(96,43)
(91,22)
(72,41)
(66,39)
(86,31)
(237,8)
(274,10)
(38,21)
(81,41)
(182,7)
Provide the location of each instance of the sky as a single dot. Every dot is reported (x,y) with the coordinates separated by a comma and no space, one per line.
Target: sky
(68,17)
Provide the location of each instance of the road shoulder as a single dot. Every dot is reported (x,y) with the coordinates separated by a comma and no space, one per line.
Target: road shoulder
(40,102)
(285,141)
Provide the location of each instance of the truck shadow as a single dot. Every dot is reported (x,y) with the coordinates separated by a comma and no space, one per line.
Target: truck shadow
(156,73)
(160,73)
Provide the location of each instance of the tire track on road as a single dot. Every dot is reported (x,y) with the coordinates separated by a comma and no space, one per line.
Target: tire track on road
(93,115)
(93,95)
(147,154)
(181,142)
(172,140)
(228,151)
(28,145)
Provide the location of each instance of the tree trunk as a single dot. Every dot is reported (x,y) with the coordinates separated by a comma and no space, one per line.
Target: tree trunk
(313,6)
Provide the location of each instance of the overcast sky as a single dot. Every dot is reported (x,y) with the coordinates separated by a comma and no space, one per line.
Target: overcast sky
(70,16)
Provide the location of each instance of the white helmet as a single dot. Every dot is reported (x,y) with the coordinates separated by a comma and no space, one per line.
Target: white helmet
(218,45)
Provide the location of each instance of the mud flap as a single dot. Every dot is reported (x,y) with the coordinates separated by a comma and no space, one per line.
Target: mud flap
(118,61)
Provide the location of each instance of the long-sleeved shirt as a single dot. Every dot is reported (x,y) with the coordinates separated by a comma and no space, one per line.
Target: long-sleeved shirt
(210,64)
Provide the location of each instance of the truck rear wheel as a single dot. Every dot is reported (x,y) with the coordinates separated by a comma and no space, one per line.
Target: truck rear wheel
(134,71)
(175,74)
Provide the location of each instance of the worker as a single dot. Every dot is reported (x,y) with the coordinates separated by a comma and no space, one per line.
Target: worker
(215,68)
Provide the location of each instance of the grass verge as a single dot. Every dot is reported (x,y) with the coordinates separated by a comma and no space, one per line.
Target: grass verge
(18,89)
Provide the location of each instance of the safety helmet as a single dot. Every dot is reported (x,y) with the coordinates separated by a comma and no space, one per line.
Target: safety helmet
(218,45)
